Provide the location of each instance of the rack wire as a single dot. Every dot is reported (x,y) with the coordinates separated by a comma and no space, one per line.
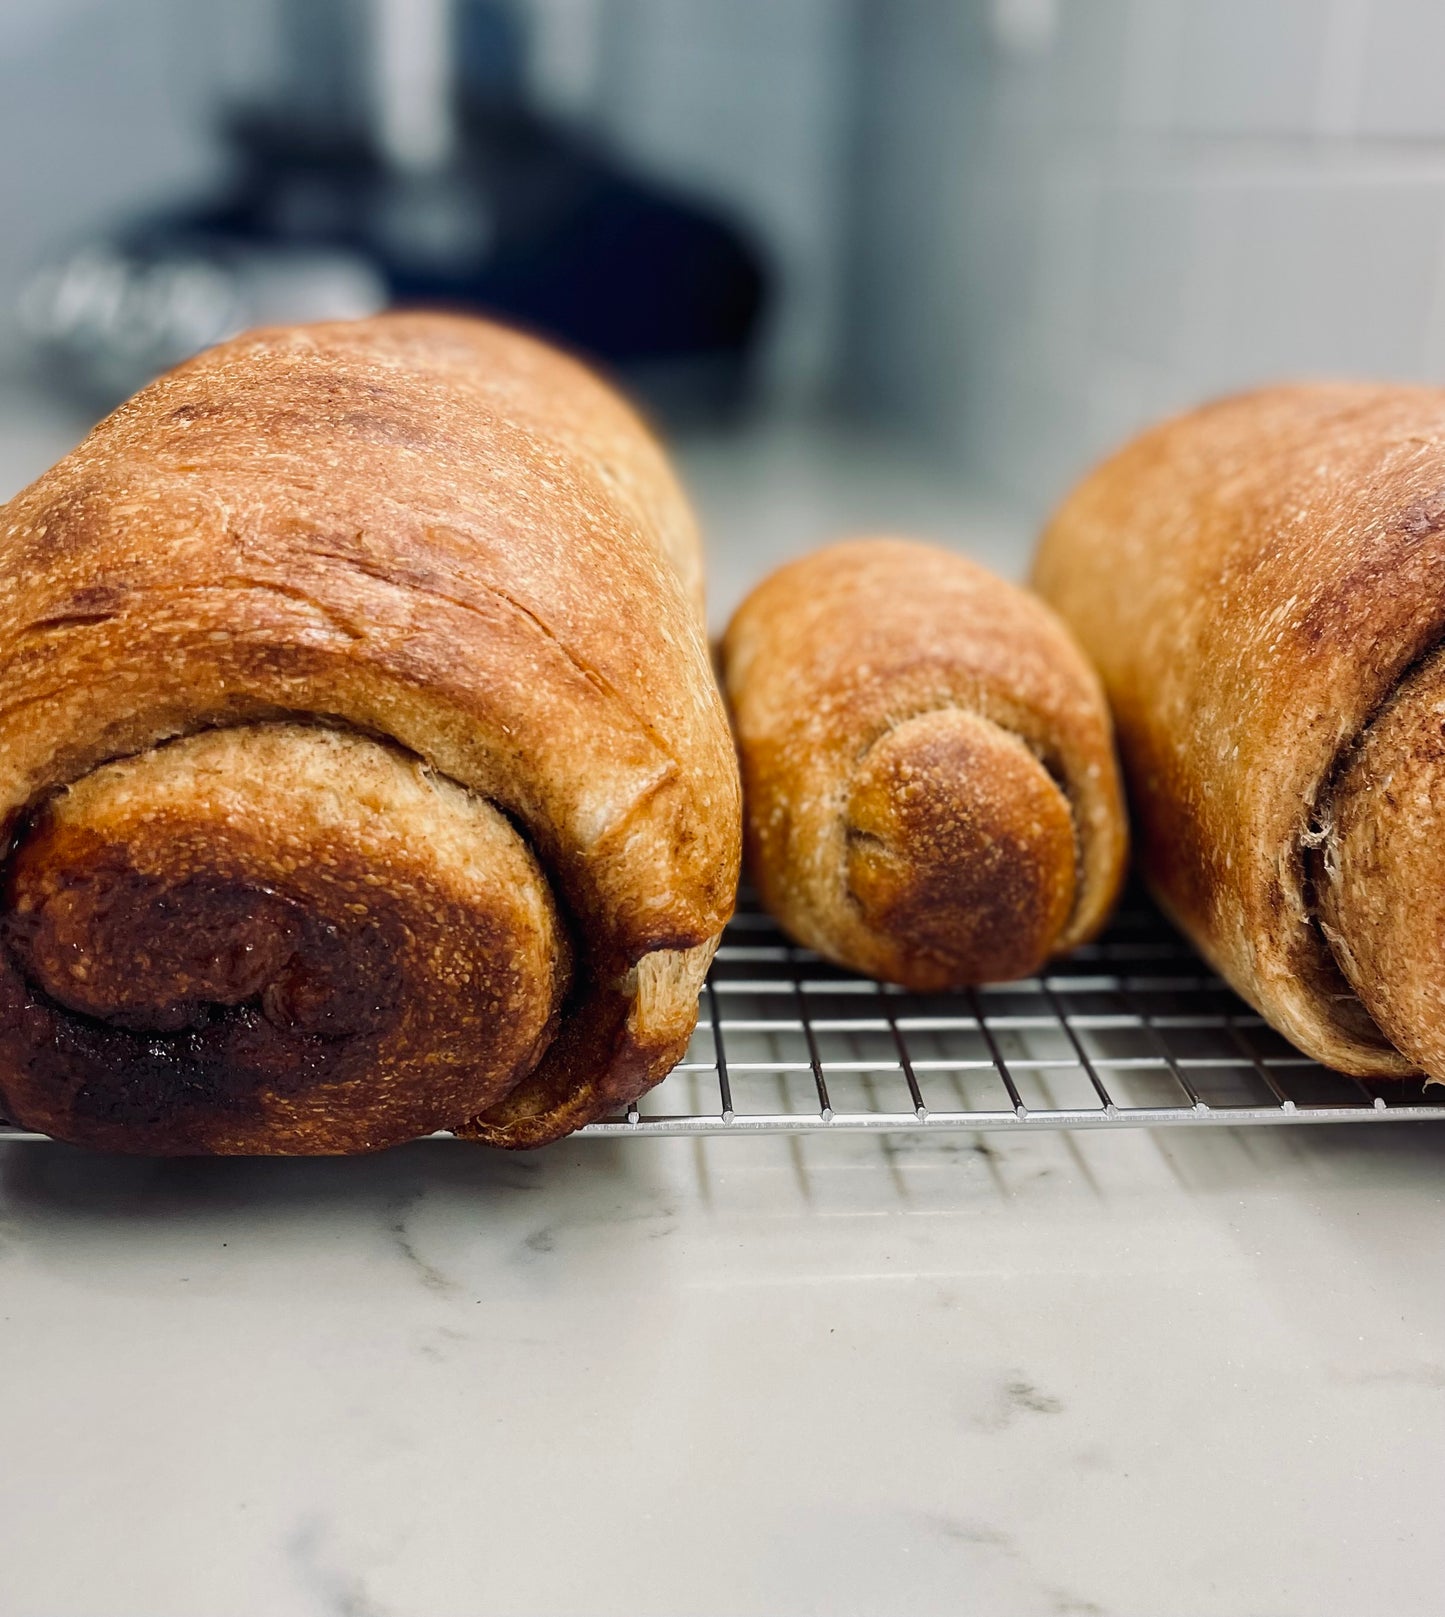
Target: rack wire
(1130,1031)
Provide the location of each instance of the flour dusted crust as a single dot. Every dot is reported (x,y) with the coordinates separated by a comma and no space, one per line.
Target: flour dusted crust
(379,644)
(1261,584)
(930,787)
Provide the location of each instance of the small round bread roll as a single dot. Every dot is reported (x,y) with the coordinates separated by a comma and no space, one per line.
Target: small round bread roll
(929,782)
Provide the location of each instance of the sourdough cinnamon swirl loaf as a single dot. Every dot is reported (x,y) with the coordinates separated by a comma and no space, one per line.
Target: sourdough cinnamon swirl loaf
(1262,586)
(363,768)
(929,780)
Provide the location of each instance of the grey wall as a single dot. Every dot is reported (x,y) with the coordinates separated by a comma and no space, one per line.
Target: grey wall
(1027,226)
(1074,217)
(746,102)
(106,104)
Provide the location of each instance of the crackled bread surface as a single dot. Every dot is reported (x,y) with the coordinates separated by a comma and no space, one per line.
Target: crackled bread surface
(931,794)
(1262,586)
(363,766)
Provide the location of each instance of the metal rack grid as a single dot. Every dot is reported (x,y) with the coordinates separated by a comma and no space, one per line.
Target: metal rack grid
(1130,1031)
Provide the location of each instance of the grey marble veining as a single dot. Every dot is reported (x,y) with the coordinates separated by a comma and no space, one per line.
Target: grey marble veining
(1114,1374)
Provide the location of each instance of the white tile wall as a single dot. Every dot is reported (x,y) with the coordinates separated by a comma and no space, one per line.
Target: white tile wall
(104,107)
(746,102)
(1399,84)
(1143,261)
(106,104)
(1165,200)
(1309,274)
(1087,68)
(1250,67)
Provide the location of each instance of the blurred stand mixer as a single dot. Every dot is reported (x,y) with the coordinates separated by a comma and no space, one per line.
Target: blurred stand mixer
(395,160)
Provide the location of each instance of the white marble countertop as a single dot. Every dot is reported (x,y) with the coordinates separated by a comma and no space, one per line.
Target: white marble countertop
(1104,1374)
(1098,1375)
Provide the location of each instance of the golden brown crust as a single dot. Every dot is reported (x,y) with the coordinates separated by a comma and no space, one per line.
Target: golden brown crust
(961,853)
(424,529)
(1253,580)
(271,936)
(1377,872)
(930,788)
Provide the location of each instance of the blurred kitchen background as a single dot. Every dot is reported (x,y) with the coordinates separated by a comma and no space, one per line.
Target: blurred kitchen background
(898,263)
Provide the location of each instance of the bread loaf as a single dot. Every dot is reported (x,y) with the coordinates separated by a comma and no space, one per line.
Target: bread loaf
(362,764)
(930,788)
(1262,586)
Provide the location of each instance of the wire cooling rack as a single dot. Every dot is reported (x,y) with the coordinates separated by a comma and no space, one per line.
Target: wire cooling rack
(1130,1031)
